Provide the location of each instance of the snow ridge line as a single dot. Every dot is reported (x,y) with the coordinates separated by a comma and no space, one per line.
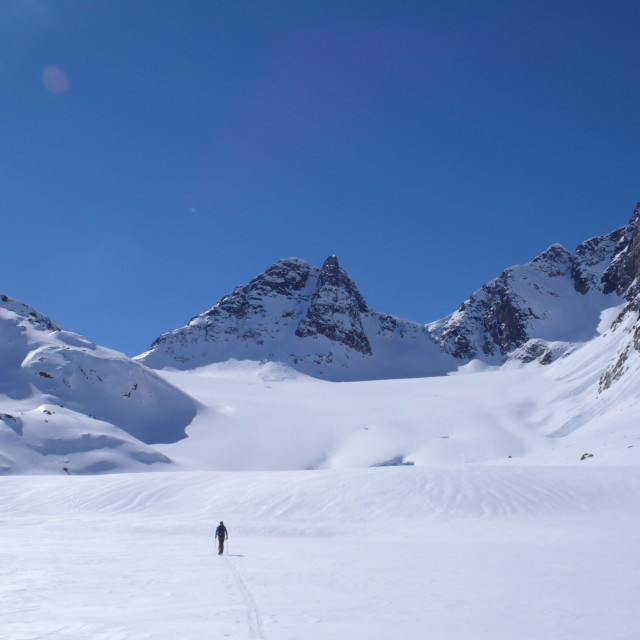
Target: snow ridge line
(253,613)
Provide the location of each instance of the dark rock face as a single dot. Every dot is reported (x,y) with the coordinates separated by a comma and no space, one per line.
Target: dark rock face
(504,321)
(590,260)
(246,312)
(495,319)
(624,269)
(535,351)
(284,278)
(489,322)
(622,276)
(235,304)
(616,369)
(555,262)
(335,309)
(619,365)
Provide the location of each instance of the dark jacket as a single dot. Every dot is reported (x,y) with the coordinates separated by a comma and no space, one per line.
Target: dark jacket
(221,532)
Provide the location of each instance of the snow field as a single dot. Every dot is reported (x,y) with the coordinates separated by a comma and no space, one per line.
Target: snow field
(266,416)
(465,552)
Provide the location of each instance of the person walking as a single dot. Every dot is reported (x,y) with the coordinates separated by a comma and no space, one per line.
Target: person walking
(222,535)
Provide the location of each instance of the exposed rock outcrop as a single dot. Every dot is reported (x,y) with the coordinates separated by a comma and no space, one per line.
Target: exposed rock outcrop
(335,309)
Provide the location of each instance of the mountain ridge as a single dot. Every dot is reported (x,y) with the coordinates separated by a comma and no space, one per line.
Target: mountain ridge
(327,329)
(313,319)
(570,319)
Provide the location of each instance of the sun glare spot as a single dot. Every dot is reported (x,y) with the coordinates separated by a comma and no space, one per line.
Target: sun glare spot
(55,80)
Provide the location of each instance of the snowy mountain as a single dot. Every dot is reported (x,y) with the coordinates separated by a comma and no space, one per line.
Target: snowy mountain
(541,364)
(314,320)
(66,402)
(539,310)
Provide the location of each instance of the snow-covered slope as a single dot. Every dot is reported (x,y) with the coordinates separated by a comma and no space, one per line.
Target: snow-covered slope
(66,402)
(464,553)
(314,320)
(261,416)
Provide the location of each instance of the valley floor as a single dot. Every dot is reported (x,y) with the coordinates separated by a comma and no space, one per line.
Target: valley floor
(469,552)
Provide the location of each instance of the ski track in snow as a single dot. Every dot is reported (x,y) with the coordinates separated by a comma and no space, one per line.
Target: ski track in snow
(254,618)
(477,553)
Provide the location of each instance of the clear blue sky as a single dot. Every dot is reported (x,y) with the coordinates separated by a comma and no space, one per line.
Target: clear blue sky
(154,154)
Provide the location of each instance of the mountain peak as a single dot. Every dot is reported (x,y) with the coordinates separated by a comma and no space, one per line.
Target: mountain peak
(283,277)
(316,319)
(313,319)
(335,309)
(333,275)
(331,262)
(555,261)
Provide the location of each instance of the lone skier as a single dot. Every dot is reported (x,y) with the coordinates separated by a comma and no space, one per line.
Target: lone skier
(222,535)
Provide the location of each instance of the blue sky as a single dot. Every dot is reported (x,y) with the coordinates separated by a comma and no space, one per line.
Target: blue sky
(153,155)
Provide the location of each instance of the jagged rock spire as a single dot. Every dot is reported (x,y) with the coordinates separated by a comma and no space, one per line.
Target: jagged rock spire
(333,275)
(335,309)
(623,273)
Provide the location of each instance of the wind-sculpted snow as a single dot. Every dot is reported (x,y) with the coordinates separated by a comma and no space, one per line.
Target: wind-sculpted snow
(351,497)
(68,403)
(465,553)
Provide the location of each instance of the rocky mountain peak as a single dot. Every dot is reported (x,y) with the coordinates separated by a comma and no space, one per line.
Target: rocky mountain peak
(554,261)
(313,319)
(545,299)
(331,262)
(335,309)
(333,276)
(284,278)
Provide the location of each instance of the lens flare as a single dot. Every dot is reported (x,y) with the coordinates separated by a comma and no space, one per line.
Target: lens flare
(55,80)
